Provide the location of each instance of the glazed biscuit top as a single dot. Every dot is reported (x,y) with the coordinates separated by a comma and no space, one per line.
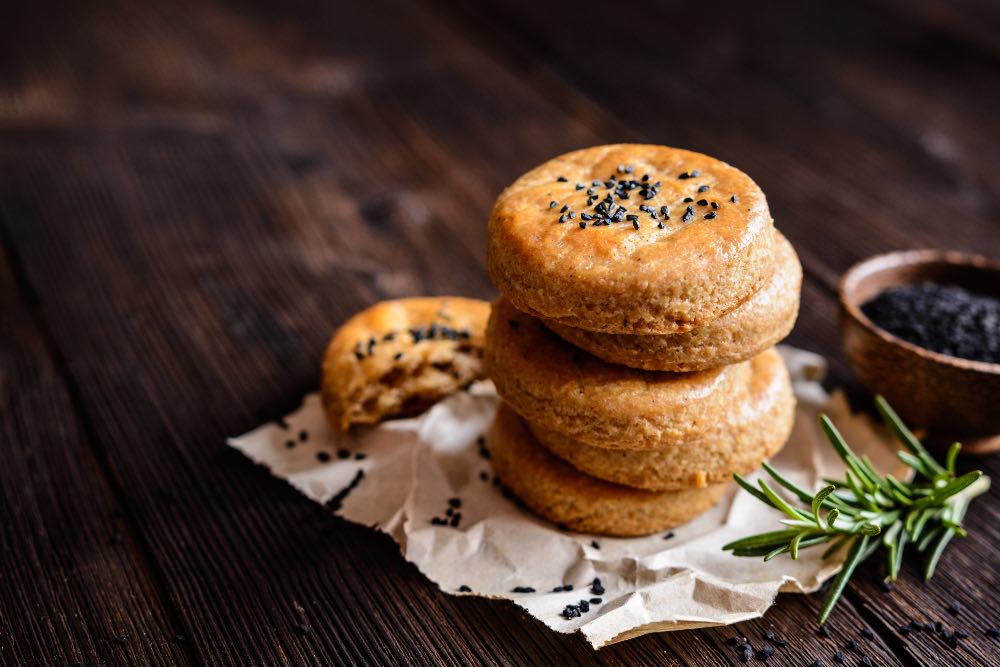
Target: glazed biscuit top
(633,217)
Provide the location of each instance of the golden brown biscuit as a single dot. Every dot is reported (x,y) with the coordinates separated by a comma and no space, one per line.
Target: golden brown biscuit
(560,387)
(754,429)
(562,494)
(676,264)
(756,325)
(400,357)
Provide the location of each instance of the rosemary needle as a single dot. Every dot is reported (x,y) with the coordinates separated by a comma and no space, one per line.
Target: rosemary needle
(866,510)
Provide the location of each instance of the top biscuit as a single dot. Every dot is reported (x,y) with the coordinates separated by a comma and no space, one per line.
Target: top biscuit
(630,238)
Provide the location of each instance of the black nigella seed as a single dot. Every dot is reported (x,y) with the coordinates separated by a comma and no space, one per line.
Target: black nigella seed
(563,218)
(343,454)
(570,611)
(839,658)
(703,188)
(734,640)
(595,600)
(823,631)
(866,661)
(867,633)
(360,456)
(523,589)
(628,169)
(580,186)
(397,356)
(302,628)
(702,202)
(303,436)
(553,204)
(770,636)
(961,634)
(904,630)
(695,174)
(854,646)
(464,589)
(684,176)
(992,632)
(586,216)
(664,211)
(635,223)
(564,208)
(455,502)
(816,663)
(322,457)
(594,544)
(688,200)
(631,216)
(596,588)
(734,199)
(449,511)
(438,521)
(562,179)
(765,653)
(747,653)
(483,475)
(583,225)
(596,183)
(591,192)
(710,216)
(583,605)
(688,214)
(645,177)
(289,444)
(659,225)
(572,215)
(938,626)
(955,608)
(456,519)
(715,205)
(359,356)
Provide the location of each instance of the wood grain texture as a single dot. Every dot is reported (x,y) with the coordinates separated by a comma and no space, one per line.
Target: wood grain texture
(199,193)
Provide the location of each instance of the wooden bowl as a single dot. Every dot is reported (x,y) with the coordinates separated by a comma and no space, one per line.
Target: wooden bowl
(953,398)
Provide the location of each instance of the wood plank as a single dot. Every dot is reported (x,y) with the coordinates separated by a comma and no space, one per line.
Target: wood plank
(345,168)
(75,585)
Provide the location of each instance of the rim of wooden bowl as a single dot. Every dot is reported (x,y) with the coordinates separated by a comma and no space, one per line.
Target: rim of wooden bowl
(847,292)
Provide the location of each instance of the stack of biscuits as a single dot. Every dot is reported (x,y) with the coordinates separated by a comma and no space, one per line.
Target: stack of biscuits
(643,289)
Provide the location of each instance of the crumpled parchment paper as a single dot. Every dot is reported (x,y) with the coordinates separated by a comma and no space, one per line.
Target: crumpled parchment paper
(401,475)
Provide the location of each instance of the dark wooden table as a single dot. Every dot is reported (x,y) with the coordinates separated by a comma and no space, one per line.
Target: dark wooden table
(194,194)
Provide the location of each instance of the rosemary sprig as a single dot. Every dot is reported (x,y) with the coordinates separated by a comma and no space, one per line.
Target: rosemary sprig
(866,510)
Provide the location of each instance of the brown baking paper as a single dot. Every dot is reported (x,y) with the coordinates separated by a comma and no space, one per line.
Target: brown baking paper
(678,580)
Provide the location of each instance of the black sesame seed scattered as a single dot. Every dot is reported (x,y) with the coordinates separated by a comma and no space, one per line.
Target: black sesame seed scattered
(360,456)
(596,588)
(628,169)
(322,457)
(523,589)
(302,628)
(449,511)
(703,188)
(938,626)
(734,640)
(591,192)
(484,476)
(570,611)
(955,608)
(715,205)
(564,208)
(455,502)
(688,200)
(583,225)
(119,640)
(594,544)
(635,224)
(904,630)
(659,225)
(289,444)
(867,633)
(562,179)
(688,214)
(572,215)
(734,199)
(438,521)
(865,660)
(684,176)
(664,211)
(770,636)
(456,519)
(343,454)
(553,204)
(303,436)
(747,653)
(702,202)
(359,356)
(816,663)
(839,657)
(992,632)
(397,356)
(710,216)
(823,631)
(580,186)
(464,589)
(854,645)
(595,600)
(563,218)
(765,653)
